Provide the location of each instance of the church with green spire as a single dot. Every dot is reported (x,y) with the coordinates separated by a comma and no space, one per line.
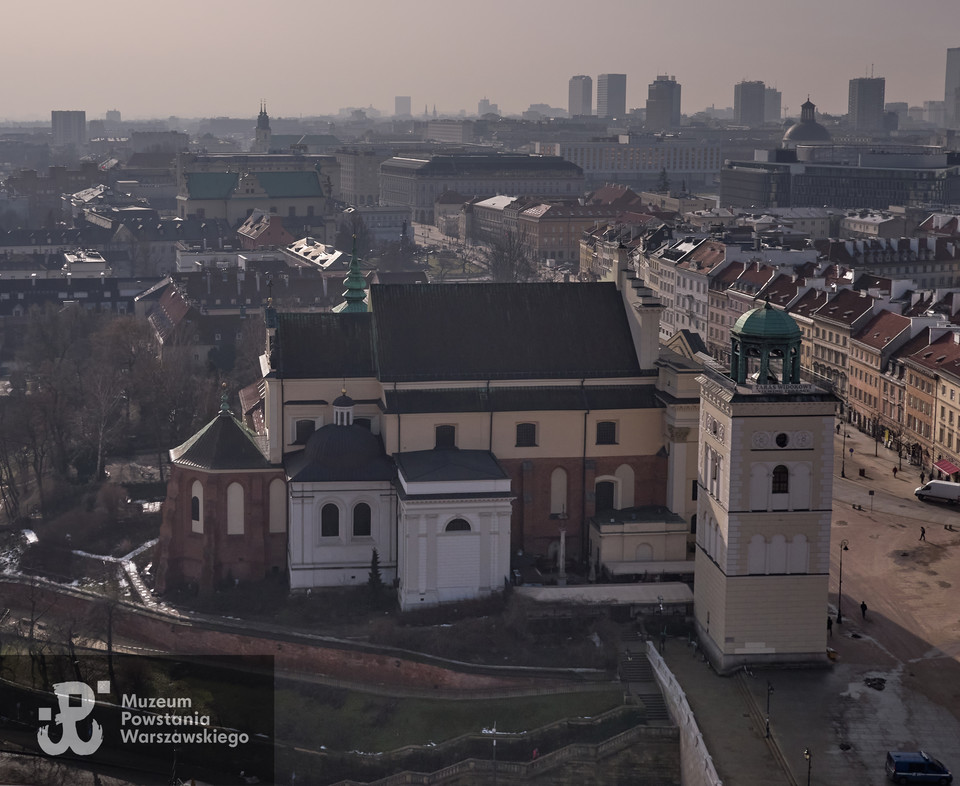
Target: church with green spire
(355,287)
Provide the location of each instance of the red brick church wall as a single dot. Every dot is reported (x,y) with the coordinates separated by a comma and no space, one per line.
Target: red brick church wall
(213,557)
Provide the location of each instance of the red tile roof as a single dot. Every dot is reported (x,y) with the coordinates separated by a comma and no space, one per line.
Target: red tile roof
(882,329)
(845,307)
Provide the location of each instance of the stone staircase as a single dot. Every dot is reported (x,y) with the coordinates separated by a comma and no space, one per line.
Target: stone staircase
(636,674)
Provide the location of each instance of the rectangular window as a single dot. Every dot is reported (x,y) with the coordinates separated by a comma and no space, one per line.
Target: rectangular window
(607,432)
(304,428)
(526,435)
(445,437)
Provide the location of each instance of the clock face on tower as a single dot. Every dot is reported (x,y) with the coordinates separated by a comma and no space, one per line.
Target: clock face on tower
(782,439)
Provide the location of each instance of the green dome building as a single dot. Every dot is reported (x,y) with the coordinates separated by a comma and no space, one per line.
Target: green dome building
(765,342)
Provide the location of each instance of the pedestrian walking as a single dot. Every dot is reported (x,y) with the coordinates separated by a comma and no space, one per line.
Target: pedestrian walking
(863,609)
(922,476)
(894,473)
(923,533)
(830,626)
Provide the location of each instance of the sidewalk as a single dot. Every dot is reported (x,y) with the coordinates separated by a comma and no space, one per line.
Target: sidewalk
(896,679)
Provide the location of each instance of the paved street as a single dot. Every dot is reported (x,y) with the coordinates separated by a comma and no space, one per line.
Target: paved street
(908,645)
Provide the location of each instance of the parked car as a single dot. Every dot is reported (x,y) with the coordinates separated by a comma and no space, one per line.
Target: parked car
(916,767)
(939,491)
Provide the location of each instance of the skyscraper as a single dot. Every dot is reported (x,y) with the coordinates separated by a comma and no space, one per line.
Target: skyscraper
(772,102)
(865,106)
(748,103)
(663,103)
(401,106)
(612,95)
(951,90)
(69,127)
(581,96)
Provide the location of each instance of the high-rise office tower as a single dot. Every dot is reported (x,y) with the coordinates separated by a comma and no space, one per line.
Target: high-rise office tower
(401,106)
(69,127)
(748,103)
(663,103)
(485,107)
(935,113)
(865,106)
(951,90)
(581,96)
(612,95)
(772,102)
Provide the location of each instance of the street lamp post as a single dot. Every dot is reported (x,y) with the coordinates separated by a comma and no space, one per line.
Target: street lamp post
(843,452)
(808,756)
(900,434)
(843,548)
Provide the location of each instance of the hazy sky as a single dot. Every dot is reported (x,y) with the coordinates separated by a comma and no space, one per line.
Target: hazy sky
(308,57)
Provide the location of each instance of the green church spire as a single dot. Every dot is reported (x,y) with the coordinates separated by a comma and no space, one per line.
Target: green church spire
(356,286)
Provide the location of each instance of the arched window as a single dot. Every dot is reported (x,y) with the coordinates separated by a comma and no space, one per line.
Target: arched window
(278,505)
(625,475)
(604,495)
(234,509)
(458,525)
(330,521)
(558,491)
(361,520)
(446,436)
(781,480)
(196,507)
(757,555)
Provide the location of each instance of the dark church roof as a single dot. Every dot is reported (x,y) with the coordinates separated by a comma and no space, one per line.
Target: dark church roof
(449,464)
(501,331)
(223,444)
(324,345)
(341,453)
(520,399)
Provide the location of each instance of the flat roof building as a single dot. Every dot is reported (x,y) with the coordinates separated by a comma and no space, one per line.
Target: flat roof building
(612,95)
(748,101)
(580,100)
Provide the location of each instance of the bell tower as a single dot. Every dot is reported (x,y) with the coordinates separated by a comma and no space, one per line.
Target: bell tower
(765,483)
(261,142)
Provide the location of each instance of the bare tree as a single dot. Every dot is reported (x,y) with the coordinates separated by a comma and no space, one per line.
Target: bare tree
(508,259)
(13,464)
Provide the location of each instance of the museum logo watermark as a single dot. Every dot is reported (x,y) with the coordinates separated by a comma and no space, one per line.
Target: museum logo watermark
(143,720)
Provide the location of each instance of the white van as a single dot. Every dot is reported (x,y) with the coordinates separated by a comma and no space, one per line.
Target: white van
(939,491)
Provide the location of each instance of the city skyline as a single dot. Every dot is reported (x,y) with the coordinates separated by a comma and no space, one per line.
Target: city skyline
(313,60)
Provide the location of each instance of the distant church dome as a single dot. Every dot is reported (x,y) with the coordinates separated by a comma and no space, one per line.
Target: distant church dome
(766,322)
(808,129)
